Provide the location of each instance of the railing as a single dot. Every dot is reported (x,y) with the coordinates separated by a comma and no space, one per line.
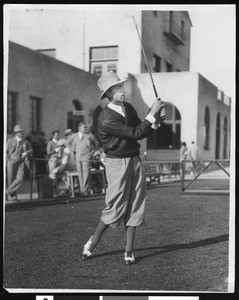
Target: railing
(174,32)
(34,176)
(205,165)
(156,169)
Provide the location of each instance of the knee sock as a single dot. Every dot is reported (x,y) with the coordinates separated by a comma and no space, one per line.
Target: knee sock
(98,232)
(130,233)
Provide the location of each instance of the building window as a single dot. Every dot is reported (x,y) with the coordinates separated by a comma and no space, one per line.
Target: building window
(183,30)
(103,59)
(11,111)
(155,13)
(225,130)
(218,133)
(169,67)
(49,52)
(35,113)
(206,128)
(168,136)
(156,63)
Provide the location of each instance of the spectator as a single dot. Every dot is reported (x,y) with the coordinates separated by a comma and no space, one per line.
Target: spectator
(183,156)
(18,152)
(97,182)
(40,153)
(54,155)
(61,166)
(193,155)
(71,156)
(83,143)
(183,151)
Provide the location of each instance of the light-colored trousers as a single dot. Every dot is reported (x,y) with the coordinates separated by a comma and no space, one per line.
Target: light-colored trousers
(15,175)
(126,192)
(83,168)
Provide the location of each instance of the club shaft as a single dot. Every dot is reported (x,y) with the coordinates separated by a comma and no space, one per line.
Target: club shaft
(155,91)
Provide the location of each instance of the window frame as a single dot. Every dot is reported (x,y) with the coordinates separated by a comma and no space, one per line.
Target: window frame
(103,62)
(11,105)
(35,113)
(206,126)
(153,141)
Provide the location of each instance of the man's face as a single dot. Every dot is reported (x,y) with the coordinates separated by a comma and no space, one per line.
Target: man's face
(83,128)
(56,136)
(19,134)
(118,92)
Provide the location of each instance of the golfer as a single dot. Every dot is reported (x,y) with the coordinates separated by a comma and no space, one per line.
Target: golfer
(119,129)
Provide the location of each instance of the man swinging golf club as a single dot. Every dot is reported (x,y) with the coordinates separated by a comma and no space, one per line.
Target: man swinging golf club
(119,128)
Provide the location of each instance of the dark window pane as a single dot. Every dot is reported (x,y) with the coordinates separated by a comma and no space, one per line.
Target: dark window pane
(97,69)
(112,67)
(177,114)
(169,112)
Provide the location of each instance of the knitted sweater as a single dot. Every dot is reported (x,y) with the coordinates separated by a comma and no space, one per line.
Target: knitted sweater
(119,134)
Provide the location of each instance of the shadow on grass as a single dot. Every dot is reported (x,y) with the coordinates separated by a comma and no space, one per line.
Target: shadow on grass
(173,247)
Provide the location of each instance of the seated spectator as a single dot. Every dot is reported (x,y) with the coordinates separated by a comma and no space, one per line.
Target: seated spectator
(64,164)
(97,163)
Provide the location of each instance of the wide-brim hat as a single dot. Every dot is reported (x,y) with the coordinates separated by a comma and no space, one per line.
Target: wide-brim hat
(61,143)
(68,131)
(108,80)
(17,128)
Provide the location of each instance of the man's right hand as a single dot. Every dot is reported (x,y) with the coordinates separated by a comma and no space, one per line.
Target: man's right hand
(156,107)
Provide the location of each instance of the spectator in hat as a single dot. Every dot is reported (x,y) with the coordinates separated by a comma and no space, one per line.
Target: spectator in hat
(83,144)
(183,155)
(53,152)
(193,155)
(18,151)
(71,162)
(119,128)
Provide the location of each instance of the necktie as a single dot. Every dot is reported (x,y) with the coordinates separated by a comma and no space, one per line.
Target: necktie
(123,109)
(20,147)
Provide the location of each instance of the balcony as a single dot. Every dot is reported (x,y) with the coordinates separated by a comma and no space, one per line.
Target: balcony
(175,33)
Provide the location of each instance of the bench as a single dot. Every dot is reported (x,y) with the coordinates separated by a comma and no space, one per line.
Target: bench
(175,169)
(71,175)
(154,170)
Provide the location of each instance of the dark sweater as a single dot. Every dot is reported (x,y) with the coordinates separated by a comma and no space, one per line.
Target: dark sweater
(119,134)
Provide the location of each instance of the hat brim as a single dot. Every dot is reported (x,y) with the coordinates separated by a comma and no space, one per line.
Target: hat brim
(119,82)
(17,131)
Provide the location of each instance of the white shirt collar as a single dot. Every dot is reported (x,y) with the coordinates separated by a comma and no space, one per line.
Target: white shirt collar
(80,135)
(117,108)
(54,140)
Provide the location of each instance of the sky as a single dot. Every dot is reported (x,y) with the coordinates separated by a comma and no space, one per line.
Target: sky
(213,45)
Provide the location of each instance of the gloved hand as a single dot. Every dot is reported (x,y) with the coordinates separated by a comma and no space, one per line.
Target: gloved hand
(156,107)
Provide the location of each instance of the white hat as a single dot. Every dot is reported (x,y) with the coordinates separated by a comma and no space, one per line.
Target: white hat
(61,143)
(17,128)
(108,80)
(68,131)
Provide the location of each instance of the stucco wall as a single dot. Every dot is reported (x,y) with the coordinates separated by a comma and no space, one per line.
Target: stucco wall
(207,97)
(190,93)
(56,83)
(156,42)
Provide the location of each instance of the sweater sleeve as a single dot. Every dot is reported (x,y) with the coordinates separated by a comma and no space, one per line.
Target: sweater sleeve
(115,127)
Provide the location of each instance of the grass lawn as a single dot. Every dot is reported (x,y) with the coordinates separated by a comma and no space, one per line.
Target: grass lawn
(182,247)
